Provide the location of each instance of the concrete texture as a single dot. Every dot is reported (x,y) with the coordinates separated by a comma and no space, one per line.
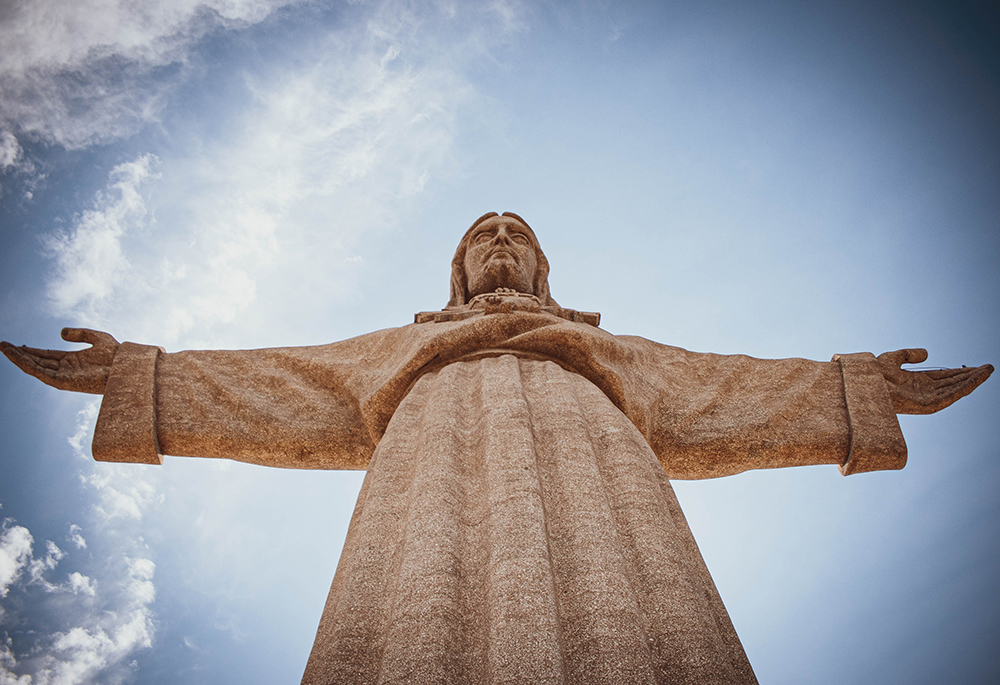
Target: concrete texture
(516,523)
(514,526)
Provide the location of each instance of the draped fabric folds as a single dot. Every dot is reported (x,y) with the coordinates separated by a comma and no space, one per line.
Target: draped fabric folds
(516,523)
(515,526)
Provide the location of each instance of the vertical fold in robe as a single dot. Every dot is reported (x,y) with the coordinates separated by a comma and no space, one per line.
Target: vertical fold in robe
(514,526)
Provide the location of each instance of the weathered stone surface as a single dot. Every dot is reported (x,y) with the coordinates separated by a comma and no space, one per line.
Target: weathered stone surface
(516,523)
(704,415)
(126,425)
(876,443)
(514,526)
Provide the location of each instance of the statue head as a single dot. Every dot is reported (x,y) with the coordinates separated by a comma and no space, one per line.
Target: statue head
(499,251)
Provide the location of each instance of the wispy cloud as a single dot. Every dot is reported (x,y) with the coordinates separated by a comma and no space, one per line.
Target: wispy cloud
(333,148)
(77,583)
(15,554)
(80,624)
(122,494)
(86,418)
(76,536)
(201,243)
(38,567)
(14,161)
(10,151)
(90,632)
(89,258)
(85,72)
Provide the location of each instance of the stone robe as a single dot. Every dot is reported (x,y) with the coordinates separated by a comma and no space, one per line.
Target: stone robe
(516,523)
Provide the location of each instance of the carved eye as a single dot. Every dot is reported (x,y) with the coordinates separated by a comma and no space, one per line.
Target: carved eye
(483,236)
(520,238)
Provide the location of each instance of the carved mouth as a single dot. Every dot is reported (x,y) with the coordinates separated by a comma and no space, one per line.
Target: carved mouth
(502,252)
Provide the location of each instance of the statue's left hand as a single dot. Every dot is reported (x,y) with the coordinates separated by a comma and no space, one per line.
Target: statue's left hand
(81,370)
(925,392)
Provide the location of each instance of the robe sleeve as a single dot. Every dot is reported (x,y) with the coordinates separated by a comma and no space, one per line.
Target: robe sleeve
(289,407)
(704,415)
(708,415)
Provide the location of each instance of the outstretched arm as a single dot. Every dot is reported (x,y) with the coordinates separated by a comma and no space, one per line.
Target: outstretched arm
(280,407)
(925,392)
(711,415)
(79,370)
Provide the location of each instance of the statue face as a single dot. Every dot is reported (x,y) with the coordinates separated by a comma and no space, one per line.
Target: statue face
(500,254)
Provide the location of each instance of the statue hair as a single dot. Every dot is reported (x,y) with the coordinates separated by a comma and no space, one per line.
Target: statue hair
(459,281)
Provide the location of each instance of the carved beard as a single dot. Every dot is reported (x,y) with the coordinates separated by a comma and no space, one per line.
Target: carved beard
(499,274)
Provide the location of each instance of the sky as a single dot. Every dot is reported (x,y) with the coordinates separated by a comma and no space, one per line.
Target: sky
(778,179)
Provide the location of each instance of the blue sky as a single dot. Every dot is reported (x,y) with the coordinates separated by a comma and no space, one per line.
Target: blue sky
(777,179)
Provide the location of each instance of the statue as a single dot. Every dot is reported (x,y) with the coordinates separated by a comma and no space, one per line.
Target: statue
(516,522)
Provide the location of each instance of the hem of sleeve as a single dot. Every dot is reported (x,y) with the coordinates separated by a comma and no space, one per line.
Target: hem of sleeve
(875,437)
(126,424)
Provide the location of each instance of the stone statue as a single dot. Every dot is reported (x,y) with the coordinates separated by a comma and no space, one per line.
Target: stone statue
(516,522)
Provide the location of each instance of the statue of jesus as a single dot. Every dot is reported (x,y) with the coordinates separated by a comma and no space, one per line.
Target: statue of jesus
(516,523)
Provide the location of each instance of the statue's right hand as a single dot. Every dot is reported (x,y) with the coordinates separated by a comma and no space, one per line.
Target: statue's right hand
(81,370)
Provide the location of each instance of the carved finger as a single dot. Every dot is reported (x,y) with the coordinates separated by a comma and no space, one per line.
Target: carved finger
(957,391)
(28,355)
(972,370)
(21,356)
(911,355)
(957,379)
(90,336)
(73,334)
(914,355)
(940,397)
(891,364)
(39,353)
(930,381)
(11,352)
(976,373)
(939,374)
(30,364)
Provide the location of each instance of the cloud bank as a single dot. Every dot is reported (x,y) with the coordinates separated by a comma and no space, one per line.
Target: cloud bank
(87,72)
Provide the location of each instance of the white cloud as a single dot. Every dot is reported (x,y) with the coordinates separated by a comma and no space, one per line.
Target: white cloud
(334,148)
(8,662)
(84,652)
(98,632)
(90,634)
(10,151)
(76,536)
(85,420)
(37,568)
(122,493)
(77,73)
(14,161)
(15,554)
(50,33)
(78,583)
(90,260)
(329,150)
